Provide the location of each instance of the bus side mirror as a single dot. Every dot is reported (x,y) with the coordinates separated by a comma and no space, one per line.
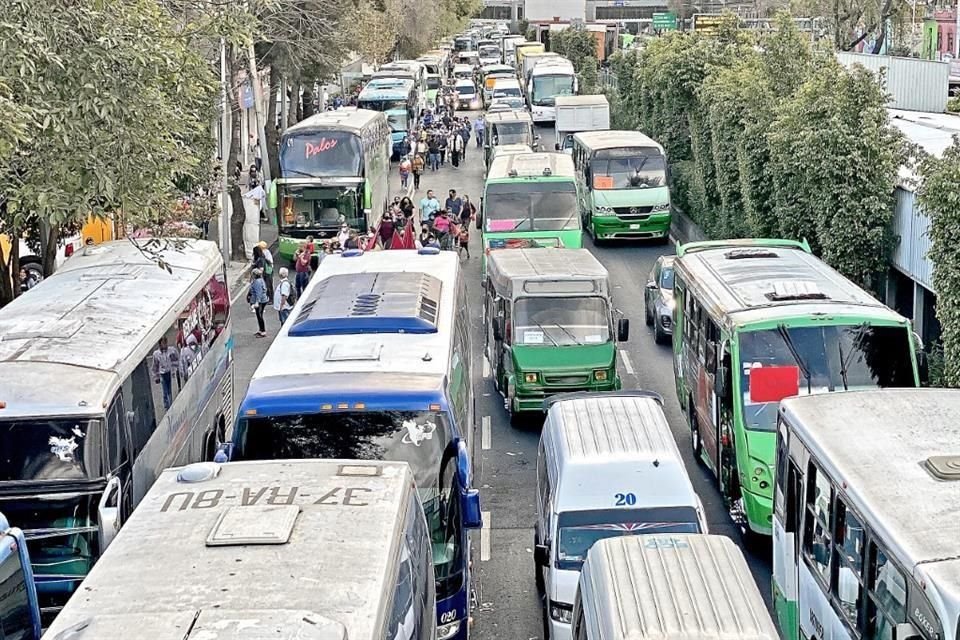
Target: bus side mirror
(556,146)
(108,518)
(470,505)
(498,329)
(541,554)
(923,367)
(623,330)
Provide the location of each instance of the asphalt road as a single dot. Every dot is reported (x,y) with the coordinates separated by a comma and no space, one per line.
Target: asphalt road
(507,602)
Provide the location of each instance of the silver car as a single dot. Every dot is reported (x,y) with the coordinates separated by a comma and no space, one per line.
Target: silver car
(658,299)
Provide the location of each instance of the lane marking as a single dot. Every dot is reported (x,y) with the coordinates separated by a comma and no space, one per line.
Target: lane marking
(626,361)
(486,367)
(485,537)
(485,433)
(242,291)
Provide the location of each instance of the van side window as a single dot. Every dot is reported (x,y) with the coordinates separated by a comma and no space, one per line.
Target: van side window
(412,615)
(543,483)
(816,535)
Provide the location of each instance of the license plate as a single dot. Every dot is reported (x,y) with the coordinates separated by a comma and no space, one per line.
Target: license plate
(634,226)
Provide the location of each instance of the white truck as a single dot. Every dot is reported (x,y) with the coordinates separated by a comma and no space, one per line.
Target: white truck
(271,549)
(579,113)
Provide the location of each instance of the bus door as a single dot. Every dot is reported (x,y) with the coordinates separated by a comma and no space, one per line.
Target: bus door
(701,346)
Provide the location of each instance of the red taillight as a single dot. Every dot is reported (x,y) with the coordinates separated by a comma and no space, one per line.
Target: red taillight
(68,250)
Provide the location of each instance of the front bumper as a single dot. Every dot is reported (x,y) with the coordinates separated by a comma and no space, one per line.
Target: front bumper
(759,512)
(531,398)
(656,225)
(559,630)
(544,114)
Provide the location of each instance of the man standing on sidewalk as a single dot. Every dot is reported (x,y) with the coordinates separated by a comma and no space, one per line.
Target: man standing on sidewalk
(281,296)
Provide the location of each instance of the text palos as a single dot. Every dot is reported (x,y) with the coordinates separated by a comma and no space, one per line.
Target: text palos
(325,144)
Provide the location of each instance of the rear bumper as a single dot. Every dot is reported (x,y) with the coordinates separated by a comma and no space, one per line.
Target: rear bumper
(612,227)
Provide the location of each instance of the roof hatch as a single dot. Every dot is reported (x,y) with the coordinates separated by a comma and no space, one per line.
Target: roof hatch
(944,467)
(253,525)
(799,290)
(385,302)
(750,252)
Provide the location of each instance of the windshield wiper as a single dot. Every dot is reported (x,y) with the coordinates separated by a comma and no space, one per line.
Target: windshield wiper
(787,340)
(544,331)
(572,337)
(845,359)
(298,172)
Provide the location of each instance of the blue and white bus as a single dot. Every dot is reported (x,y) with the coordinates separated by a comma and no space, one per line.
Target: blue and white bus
(375,363)
(398,100)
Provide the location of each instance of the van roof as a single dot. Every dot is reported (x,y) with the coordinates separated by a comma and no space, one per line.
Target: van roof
(615,139)
(689,587)
(531,165)
(207,548)
(510,271)
(608,442)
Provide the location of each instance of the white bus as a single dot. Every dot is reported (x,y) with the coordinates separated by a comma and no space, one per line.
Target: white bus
(112,369)
(375,363)
(409,69)
(285,549)
(548,80)
(866,527)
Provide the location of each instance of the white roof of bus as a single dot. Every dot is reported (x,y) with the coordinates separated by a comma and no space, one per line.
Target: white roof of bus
(67,344)
(684,587)
(876,445)
(613,442)
(396,353)
(615,139)
(553,66)
(251,591)
(344,118)
(531,165)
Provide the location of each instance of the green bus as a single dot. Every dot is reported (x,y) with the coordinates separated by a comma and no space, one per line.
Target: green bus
(549,325)
(624,185)
(334,169)
(529,201)
(756,321)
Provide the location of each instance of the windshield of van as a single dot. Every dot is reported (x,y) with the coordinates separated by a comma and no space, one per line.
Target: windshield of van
(420,438)
(577,531)
(530,206)
(639,168)
(49,449)
(433,82)
(560,321)
(783,362)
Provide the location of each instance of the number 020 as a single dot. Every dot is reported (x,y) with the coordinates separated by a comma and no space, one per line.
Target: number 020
(626,499)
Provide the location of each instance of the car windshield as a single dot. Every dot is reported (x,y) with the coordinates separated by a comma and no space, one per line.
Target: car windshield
(422,439)
(433,83)
(783,362)
(306,208)
(560,322)
(466,89)
(320,154)
(666,278)
(397,120)
(639,168)
(489,51)
(577,531)
(502,92)
(531,206)
(62,534)
(512,133)
(50,449)
(547,88)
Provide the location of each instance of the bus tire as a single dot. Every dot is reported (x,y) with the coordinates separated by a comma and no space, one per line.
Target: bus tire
(34,267)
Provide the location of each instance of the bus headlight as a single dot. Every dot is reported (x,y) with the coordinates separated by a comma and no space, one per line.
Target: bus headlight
(660,207)
(447,631)
(560,612)
(530,378)
(760,475)
(604,211)
(600,375)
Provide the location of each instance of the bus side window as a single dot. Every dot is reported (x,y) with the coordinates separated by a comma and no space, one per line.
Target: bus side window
(887,600)
(816,535)
(712,338)
(138,399)
(848,558)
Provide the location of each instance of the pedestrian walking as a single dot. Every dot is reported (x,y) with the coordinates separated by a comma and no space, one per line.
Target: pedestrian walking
(282,298)
(442,145)
(468,212)
(165,362)
(267,266)
(453,204)
(405,167)
(386,231)
(417,170)
(433,149)
(478,128)
(257,299)
(429,206)
(464,131)
(188,355)
(406,208)
(301,265)
(456,149)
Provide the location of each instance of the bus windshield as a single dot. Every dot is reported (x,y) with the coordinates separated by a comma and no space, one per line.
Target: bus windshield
(577,531)
(420,438)
(512,132)
(321,154)
(531,206)
(560,321)
(309,208)
(433,82)
(398,119)
(547,88)
(383,104)
(807,360)
(49,449)
(639,168)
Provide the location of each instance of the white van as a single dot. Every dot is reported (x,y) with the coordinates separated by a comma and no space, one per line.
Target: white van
(607,466)
(669,587)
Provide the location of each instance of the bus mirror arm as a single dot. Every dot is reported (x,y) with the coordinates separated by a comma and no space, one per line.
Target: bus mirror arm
(108,518)
(923,367)
(623,330)
(722,383)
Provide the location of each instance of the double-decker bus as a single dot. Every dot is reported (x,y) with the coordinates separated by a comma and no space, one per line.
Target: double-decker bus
(113,369)
(866,541)
(756,321)
(334,169)
(624,185)
(375,362)
(398,100)
(529,200)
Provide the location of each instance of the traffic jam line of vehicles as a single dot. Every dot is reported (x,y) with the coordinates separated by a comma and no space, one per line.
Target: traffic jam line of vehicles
(339,499)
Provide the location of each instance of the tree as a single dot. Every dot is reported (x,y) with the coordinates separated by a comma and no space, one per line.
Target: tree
(939,197)
(579,47)
(122,106)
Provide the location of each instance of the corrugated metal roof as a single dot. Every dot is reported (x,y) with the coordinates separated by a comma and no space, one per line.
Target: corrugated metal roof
(682,587)
(531,165)
(615,139)
(611,427)
(344,118)
(911,83)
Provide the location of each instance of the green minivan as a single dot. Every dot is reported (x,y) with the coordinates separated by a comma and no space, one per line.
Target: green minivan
(549,325)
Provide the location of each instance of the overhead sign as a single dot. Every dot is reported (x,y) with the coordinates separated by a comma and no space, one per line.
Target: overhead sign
(710,23)
(665,21)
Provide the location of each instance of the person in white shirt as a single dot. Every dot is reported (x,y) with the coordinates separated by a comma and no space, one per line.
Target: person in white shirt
(188,355)
(165,363)
(281,296)
(257,195)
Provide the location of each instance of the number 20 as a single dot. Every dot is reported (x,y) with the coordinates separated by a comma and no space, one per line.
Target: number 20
(626,499)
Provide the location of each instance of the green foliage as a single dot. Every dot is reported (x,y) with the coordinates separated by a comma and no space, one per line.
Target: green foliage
(939,196)
(953,105)
(580,47)
(769,140)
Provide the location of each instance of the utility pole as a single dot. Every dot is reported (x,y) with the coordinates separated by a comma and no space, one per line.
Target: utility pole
(225,135)
(258,110)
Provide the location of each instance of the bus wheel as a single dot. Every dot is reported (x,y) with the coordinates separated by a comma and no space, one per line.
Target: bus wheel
(33,268)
